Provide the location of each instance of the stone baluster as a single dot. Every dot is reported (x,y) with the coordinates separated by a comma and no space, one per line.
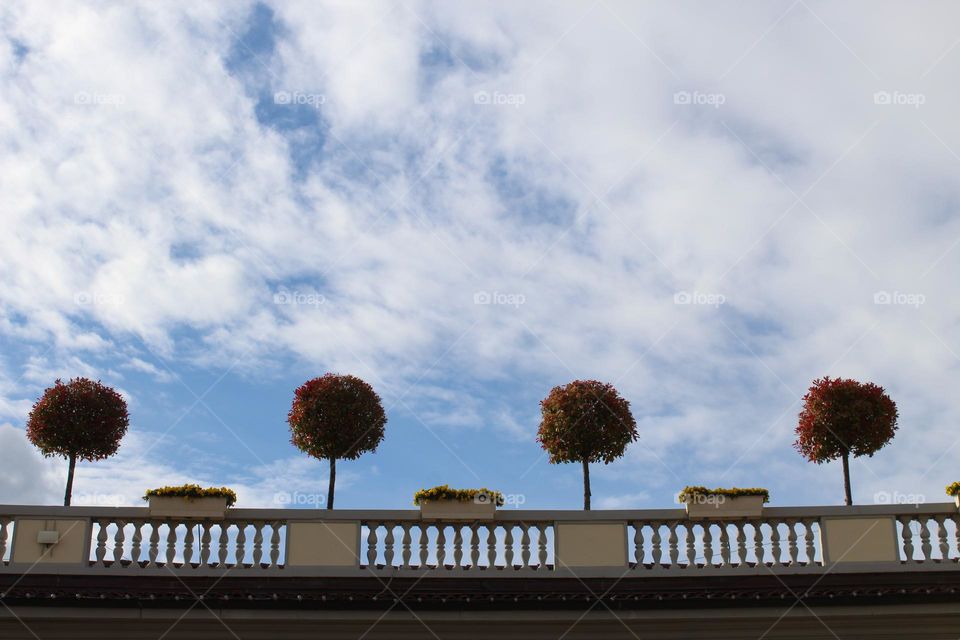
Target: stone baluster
(372,545)
(740,528)
(707,545)
(171,544)
(458,546)
(474,546)
(542,546)
(907,535)
(758,549)
(656,542)
(101,552)
(153,552)
(258,544)
(223,539)
(525,545)
(775,542)
(724,544)
(926,549)
(406,541)
(388,544)
(188,546)
(942,538)
(119,538)
(690,540)
(638,544)
(808,538)
(135,548)
(672,543)
(205,544)
(492,546)
(441,545)
(792,548)
(275,544)
(423,540)
(241,553)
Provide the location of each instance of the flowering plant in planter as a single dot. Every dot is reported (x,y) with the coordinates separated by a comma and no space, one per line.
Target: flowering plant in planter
(954,490)
(444,503)
(693,494)
(190,501)
(444,492)
(193,492)
(735,502)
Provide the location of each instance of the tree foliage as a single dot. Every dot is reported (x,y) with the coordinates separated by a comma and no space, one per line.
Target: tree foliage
(336,417)
(585,421)
(843,417)
(81,420)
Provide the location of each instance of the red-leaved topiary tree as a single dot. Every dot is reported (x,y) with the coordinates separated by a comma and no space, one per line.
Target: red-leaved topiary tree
(336,417)
(585,421)
(841,418)
(79,420)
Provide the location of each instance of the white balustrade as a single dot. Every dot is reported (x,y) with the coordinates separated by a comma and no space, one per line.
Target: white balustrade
(248,541)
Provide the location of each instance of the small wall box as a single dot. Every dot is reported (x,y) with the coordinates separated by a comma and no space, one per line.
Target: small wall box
(48,537)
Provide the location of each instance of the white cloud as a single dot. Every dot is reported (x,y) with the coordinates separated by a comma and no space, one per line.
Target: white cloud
(25,476)
(28,478)
(173,207)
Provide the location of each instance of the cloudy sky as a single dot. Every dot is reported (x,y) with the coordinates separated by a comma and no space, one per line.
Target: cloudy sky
(707,204)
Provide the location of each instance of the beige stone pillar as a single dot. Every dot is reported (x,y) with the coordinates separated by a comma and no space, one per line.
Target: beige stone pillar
(323,544)
(868,539)
(591,544)
(50,541)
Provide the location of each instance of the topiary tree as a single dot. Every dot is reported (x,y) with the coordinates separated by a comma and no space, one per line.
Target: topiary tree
(79,420)
(336,417)
(841,417)
(585,421)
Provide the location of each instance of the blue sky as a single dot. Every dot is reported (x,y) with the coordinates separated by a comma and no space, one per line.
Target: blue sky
(206,205)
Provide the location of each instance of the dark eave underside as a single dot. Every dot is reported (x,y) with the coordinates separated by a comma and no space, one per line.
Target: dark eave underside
(480,593)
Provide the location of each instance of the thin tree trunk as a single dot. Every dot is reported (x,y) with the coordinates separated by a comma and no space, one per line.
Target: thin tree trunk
(846,478)
(333,481)
(586,486)
(69,491)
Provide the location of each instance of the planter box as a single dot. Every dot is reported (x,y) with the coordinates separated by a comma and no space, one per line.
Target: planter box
(196,508)
(457,510)
(957,499)
(725,507)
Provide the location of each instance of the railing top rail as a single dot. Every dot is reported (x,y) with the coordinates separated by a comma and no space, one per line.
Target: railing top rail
(503,515)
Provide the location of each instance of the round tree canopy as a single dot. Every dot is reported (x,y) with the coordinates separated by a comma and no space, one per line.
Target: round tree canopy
(336,416)
(842,416)
(585,420)
(82,419)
